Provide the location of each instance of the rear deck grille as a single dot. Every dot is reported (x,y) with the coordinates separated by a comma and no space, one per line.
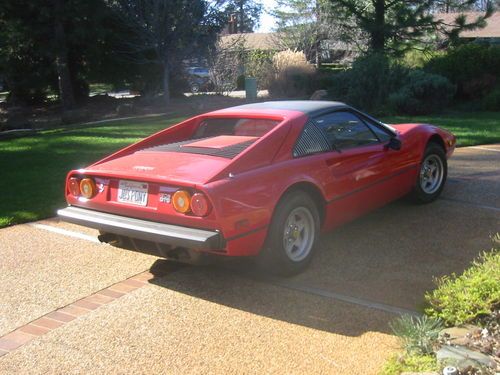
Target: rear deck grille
(228,152)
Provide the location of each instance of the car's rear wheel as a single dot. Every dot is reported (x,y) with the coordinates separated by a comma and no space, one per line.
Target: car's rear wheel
(432,174)
(292,235)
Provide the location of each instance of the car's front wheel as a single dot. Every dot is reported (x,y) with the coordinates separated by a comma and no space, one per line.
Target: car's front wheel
(432,174)
(293,235)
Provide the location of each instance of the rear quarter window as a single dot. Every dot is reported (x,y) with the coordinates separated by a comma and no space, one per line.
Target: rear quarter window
(234,126)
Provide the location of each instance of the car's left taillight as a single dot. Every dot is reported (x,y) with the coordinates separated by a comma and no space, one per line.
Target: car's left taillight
(88,188)
(74,186)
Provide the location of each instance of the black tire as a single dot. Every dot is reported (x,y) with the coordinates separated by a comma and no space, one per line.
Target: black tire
(195,88)
(295,207)
(430,184)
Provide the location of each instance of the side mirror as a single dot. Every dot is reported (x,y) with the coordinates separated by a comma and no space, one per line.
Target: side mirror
(394,144)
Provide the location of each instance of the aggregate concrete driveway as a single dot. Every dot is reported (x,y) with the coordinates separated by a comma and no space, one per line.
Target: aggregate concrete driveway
(224,319)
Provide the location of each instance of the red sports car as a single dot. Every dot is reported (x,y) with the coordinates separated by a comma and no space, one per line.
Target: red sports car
(257,180)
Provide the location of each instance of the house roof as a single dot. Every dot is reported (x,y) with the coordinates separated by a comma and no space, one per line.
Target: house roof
(492,29)
(251,41)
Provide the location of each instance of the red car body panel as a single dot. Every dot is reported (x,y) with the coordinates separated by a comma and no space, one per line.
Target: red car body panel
(245,190)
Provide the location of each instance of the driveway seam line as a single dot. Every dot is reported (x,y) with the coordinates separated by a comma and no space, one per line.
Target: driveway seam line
(470,203)
(344,298)
(485,148)
(65,232)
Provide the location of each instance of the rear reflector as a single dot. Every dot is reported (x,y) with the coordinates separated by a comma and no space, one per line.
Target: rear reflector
(200,205)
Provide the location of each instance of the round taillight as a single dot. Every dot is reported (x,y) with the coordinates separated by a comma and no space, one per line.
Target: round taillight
(88,188)
(74,186)
(181,201)
(200,206)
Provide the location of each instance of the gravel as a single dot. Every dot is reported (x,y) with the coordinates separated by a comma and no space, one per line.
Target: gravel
(206,321)
(42,271)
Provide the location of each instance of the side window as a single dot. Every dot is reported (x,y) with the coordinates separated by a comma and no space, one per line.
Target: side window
(380,133)
(345,130)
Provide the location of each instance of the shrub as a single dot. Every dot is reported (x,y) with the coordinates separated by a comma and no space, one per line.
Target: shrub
(475,68)
(418,335)
(417,59)
(422,93)
(462,299)
(240,82)
(224,70)
(259,64)
(491,102)
(292,74)
(410,363)
(368,83)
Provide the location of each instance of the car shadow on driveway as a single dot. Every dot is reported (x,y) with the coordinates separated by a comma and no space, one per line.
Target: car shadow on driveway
(391,256)
(225,286)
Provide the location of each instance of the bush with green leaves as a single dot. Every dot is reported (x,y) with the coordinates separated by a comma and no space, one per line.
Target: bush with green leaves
(474,68)
(368,84)
(422,93)
(410,363)
(417,59)
(469,296)
(259,64)
(491,102)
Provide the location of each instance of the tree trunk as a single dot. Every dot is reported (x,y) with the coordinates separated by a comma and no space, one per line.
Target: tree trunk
(166,85)
(377,36)
(64,78)
(242,16)
(317,44)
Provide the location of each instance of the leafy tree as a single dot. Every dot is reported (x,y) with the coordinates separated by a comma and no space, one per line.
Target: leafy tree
(25,66)
(58,44)
(397,25)
(163,32)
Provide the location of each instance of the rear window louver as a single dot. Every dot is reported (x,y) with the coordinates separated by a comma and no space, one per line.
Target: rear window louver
(311,141)
(228,152)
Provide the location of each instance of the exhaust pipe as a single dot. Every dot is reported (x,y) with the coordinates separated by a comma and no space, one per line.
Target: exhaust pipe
(108,238)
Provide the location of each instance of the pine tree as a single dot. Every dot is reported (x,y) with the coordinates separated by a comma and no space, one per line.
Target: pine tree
(394,26)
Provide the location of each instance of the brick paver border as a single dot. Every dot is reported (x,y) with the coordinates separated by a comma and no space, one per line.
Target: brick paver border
(57,318)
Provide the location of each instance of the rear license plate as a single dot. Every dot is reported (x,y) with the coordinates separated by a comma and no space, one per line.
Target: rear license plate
(133,192)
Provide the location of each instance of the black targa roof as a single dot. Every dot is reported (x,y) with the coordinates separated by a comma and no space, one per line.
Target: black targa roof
(310,107)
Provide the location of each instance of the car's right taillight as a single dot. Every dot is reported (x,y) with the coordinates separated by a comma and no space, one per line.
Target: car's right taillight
(200,206)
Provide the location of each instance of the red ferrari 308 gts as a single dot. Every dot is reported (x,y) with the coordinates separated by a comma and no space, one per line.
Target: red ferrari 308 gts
(258,180)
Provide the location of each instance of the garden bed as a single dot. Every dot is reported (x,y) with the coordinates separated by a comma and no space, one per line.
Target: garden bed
(469,304)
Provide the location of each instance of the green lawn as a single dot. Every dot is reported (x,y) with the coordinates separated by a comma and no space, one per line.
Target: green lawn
(470,128)
(34,168)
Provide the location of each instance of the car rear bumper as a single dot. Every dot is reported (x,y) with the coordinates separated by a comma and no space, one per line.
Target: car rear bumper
(172,235)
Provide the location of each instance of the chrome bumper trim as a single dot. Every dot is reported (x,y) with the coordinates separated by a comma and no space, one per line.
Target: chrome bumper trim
(174,235)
